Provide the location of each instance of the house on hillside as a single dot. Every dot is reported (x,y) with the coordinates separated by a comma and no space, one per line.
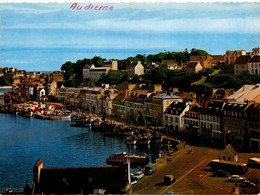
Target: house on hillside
(241,64)
(134,68)
(193,67)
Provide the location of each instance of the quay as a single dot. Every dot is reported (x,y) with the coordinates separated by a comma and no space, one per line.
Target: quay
(5,87)
(192,174)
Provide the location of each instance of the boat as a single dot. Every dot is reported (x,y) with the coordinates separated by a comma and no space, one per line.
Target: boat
(123,157)
(96,123)
(83,123)
(143,141)
(131,140)
(68,117)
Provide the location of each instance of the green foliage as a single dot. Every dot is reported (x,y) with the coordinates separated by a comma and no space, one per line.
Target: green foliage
(200,82)
(156,57)
(4,82)
(113,77)
(73,72)
(195,51)
(141,58)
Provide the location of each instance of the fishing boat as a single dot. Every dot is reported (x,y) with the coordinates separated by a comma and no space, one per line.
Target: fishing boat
(124,157)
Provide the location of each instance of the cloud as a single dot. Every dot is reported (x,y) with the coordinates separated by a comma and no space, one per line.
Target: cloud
(155,25)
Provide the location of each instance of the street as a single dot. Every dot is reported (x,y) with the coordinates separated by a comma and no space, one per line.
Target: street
(192,174)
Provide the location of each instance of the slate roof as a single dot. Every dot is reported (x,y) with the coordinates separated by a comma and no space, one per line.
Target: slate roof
(242,59)
(255,59)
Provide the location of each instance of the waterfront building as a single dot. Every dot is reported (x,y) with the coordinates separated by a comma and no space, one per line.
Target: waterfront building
(160,102)
(192,120)
(148,108)
(173,116)
(92,97)
(193,67)
(235,119)
(241,64)
(134,68)
(253,125)
(220,94)
(210,120)
(254,65)
(81,180)
(106,102)
(63,93)
(247,93)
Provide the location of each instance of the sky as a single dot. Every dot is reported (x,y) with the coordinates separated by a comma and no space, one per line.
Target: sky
(44,36)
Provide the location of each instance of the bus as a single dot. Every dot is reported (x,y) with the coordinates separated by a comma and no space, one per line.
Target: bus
(234,168)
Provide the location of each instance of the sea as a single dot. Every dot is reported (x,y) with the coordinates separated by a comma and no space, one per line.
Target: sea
(51,59)
(23,141)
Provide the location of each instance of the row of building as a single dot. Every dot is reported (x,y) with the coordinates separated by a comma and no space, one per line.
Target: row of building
(227,113)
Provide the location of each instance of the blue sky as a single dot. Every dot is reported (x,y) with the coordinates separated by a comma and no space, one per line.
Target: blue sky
(134,27)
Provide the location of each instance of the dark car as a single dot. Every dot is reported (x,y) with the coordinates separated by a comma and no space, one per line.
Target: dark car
(220,173)
(247,184)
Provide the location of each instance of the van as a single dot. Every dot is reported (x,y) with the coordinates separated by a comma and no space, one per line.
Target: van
(150,169)
(169,179)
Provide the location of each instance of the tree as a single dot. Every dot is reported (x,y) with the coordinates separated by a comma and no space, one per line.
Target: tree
(68,69)
(195,51)
(141,58)
(113,77)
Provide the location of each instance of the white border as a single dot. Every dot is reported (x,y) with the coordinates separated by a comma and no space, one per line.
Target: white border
(130,1)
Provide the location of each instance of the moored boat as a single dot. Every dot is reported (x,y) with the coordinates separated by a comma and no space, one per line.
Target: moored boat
(124,157)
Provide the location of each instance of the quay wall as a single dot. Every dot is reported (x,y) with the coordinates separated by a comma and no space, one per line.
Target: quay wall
(5,87)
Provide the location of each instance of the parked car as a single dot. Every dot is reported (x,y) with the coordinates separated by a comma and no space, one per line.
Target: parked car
(220,173)
(168,179)
(247,184)
(150,169)
(236,178)
(138,175)
(133,182)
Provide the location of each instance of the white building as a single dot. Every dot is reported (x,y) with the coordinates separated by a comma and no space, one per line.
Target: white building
(173,116)
(94,73)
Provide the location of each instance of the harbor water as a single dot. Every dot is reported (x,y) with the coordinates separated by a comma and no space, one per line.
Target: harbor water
(23,141)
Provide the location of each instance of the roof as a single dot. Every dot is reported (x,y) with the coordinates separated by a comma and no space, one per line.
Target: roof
(76,180)
(255,59)
(192,64)
(218,57)
(174,107)
(242,59)
(166,96)
(232,150)
(246,93)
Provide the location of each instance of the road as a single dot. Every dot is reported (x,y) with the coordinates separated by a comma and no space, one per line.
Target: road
(191,172)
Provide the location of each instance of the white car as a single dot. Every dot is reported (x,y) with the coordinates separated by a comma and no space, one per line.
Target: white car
(138,175)
(236,178)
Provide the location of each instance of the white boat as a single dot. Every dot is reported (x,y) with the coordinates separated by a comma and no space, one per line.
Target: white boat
(68,117)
